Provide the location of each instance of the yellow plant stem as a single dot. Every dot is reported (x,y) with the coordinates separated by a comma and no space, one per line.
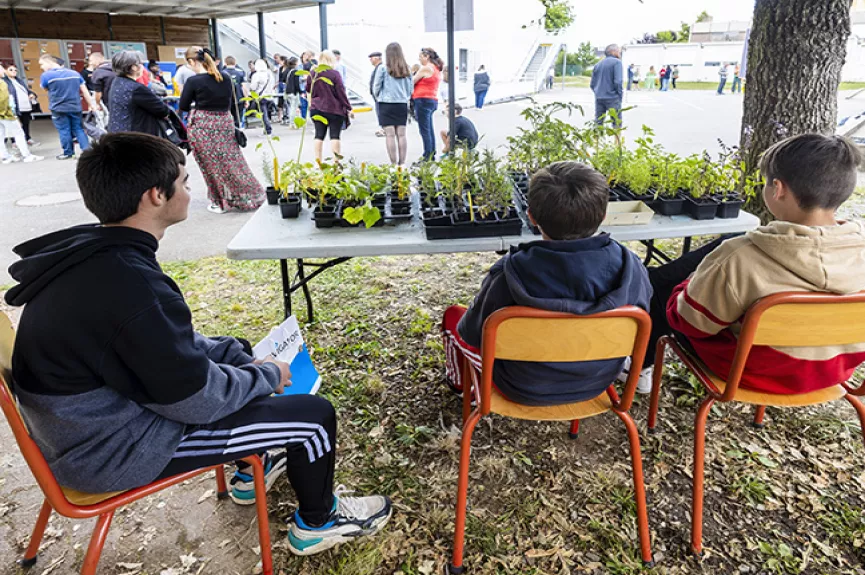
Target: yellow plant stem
(276,173)
(471,206)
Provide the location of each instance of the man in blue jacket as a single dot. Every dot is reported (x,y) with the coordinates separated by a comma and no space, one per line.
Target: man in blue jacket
(573,269)
(607,85)
(119,390)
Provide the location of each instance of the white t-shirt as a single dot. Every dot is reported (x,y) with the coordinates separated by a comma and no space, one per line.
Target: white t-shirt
(183,74)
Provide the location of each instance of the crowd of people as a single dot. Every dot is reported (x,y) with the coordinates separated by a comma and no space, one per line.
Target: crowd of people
(666,76)
(128,94)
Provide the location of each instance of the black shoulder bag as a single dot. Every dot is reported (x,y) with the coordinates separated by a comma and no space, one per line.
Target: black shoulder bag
(239,135)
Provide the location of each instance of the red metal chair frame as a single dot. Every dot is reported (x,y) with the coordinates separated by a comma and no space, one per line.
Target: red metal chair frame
(620,407)
(750,324)
(56,500)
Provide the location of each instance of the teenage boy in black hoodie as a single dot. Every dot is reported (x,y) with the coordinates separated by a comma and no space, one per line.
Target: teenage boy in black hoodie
(572,269)
(116,386)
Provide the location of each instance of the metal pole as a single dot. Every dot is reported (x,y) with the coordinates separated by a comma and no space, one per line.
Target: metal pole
(564,65)
(262,37)
(322,24)
(214,31)
(452,86)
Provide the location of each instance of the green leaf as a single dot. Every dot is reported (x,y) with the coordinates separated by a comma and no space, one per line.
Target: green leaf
(353,215)
(321,68)
(735,454)
(321,119)
(254,95)
(325,80)
(370,216)
(258,146)
(767,462)
(255,113)
(246,99)
(301,73)
(275,138)
(299,122)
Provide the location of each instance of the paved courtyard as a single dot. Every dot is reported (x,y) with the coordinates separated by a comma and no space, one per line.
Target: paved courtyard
(684,122)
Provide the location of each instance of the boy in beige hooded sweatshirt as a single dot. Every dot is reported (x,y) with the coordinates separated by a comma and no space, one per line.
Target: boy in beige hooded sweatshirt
(806,249)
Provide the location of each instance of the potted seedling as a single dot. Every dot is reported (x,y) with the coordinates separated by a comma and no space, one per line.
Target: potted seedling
(291,176)
(271,161)
(667,200)
(699,203)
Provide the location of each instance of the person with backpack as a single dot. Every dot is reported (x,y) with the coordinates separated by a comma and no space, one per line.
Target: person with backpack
(262,83)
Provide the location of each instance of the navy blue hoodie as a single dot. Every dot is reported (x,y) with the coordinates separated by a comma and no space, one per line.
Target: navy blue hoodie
(107,367)
(582,277)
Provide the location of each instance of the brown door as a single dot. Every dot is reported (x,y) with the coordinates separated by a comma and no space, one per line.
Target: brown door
(31,50)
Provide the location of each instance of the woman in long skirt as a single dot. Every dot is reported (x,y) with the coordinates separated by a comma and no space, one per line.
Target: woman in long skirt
(230,182)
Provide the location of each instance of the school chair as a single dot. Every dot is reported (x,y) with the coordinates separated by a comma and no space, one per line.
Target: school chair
(77,505)
(792,319)
(527,334)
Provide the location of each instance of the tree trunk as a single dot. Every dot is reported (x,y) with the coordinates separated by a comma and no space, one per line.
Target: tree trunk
(795,56)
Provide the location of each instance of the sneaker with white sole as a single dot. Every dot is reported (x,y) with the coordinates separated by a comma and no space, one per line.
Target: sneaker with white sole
(352,517)
(8,160)
(242,489)
(213,208)
(32,158)
(644,383)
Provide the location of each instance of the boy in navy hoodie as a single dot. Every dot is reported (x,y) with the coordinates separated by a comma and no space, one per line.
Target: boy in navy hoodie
(572,269)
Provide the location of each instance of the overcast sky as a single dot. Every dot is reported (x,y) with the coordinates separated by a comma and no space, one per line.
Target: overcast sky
(606,22)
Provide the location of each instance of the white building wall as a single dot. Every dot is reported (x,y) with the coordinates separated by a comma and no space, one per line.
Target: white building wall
(700,62)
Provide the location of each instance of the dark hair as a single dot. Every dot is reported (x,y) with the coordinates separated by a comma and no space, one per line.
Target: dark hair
(116,171)
(292,62)
(434,58)
(336,52)
(568,200)
(819,170)
(458,109)
(396,64)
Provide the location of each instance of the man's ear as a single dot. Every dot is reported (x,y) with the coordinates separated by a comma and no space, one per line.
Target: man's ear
(531,217)
(780,190)
(154,197)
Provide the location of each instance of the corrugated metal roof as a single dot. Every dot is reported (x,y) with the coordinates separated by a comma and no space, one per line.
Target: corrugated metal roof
(173,8)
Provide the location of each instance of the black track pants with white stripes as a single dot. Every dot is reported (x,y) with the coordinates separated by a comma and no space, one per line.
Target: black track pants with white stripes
(304,424)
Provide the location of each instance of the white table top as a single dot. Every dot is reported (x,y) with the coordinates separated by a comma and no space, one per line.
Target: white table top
(266,236)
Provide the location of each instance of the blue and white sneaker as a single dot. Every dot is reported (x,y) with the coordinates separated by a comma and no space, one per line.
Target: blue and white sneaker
(352,517)
(242,489)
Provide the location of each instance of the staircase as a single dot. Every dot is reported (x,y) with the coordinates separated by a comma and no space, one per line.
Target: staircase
(288,41)
(535,66)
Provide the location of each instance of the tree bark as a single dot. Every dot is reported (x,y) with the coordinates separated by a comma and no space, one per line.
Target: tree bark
(795,55)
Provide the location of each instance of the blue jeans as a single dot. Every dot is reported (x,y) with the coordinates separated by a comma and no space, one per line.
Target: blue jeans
(665,84)
(304,106)
(479,99)
(737,85)
(603,106)
(425,108)
(68,124)
(721,85)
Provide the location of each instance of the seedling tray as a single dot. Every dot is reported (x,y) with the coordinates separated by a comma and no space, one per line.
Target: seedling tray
(701,208)
(628,214)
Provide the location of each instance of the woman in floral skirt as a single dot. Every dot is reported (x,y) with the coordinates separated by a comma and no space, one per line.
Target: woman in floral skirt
(230,183)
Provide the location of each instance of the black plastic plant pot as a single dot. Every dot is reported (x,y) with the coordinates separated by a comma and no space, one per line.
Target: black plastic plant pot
(400,207)
(272,195)
(289,207)
(729,206)
(701,208)
(614,196)
(667,206)
(324,216)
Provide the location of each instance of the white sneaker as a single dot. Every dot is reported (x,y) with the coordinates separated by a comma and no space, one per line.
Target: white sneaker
(32,158)
(8,160)
(644,383)
(216,209)
(352,517)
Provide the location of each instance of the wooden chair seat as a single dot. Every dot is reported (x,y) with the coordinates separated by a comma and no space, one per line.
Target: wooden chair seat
(567,412)
(83,499)
(771,399)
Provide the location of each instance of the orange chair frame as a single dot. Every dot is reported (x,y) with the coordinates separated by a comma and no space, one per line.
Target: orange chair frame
(56,499)
(747,335)
(482,396)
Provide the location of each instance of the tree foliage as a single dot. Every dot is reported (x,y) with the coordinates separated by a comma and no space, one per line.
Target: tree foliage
(584,57)
(559,15)
(682,35)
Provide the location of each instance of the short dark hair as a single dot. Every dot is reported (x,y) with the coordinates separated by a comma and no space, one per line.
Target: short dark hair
(568,200)
(458,109)
(819,170)
(116,171)
(336,52)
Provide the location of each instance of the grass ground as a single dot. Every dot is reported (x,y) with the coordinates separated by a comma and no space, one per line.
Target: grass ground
(583,81)
(787,499)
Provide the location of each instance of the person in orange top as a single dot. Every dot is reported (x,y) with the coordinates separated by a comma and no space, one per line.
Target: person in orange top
(425,97)
(806,249)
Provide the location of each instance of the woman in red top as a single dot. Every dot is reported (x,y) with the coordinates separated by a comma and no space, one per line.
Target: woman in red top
(328,101)
(425,96)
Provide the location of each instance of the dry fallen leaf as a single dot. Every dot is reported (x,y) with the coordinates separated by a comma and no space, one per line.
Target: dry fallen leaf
(206,495)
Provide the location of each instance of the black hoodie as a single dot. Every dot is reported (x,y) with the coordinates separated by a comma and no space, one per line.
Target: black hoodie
(582,277)
(107,367)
